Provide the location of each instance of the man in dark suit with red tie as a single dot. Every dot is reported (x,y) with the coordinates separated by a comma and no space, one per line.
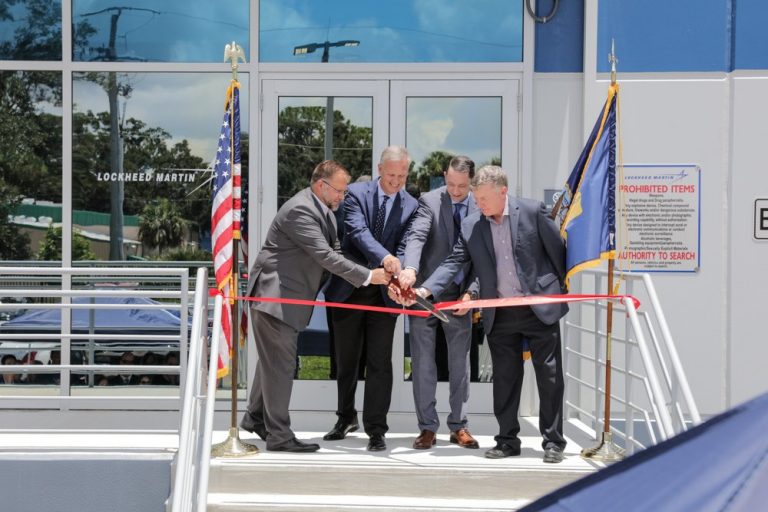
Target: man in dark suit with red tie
(376,217)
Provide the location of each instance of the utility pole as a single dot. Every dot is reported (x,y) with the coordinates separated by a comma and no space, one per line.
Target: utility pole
(117,186)
(326,46)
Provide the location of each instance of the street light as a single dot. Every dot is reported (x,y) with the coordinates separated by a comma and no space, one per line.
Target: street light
(310,48)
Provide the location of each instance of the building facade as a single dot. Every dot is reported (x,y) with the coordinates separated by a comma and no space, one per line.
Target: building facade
(109,112)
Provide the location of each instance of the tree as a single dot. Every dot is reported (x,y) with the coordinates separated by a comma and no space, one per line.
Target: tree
(50,247)
(434,165)
(161,226)
(14,245)
(301,135)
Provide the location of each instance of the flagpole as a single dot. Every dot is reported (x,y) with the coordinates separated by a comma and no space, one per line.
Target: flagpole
(233,446)
(606,449)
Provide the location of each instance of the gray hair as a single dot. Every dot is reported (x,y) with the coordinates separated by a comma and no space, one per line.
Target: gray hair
(395,153)
(490,174)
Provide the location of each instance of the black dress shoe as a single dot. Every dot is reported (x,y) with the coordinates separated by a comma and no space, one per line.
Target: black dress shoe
(502,450)
(296,446)
(553,455)
(248,425)
(340,430)
(376,443)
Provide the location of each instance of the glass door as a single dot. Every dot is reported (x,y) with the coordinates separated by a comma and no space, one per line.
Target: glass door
(436,120)
(303,123)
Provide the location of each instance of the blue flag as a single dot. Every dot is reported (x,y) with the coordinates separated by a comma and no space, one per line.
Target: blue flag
(588,208)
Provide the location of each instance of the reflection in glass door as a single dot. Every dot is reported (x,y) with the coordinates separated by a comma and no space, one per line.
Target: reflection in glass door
(303,124)
(438,120)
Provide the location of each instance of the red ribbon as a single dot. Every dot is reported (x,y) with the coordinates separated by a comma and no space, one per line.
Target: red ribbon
(529,300)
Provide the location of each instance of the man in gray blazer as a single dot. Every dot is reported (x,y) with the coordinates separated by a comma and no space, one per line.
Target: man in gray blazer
(431,238)
(515,250)
(300,253)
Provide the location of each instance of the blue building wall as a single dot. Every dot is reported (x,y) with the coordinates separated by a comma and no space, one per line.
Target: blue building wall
(657,36)
(560,42)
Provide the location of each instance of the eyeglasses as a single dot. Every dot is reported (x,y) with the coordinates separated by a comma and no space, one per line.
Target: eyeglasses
(342,192)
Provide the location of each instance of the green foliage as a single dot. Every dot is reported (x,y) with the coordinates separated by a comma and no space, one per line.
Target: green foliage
(433,165)
(50,247)
(14,245)
(161,225)
(186,254)
(301,142)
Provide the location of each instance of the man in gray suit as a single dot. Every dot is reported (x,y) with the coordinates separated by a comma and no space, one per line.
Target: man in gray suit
(300,253)
(515,250)
(433,233)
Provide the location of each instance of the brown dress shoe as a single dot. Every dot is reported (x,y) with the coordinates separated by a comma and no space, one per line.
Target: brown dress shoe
(463,438)
(425,441)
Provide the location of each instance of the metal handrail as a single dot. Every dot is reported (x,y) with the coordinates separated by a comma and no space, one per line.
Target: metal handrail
(24,275)
(190,487)
(662,379)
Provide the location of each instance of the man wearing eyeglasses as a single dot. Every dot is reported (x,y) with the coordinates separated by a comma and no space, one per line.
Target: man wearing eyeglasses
(376,218)
(300,252)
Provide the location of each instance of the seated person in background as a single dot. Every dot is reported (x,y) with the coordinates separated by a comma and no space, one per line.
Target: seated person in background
(52,378)
(150,359)
(126,379)
(170,379)
(10,378)
(32,378)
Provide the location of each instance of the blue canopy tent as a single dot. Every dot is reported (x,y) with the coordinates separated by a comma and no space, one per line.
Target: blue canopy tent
(128,320)
(721,464)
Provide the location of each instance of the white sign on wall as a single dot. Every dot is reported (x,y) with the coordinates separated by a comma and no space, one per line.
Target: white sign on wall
(761,219)
(658,218)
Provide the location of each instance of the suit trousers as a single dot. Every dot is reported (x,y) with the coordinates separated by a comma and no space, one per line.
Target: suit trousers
(270,395)
(350,328)
(511,325)
(458,337)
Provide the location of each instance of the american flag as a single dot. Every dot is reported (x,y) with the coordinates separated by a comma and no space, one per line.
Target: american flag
(224,217)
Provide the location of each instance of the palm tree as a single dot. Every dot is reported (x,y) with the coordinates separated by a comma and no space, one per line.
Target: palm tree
(161,225)
(434,165)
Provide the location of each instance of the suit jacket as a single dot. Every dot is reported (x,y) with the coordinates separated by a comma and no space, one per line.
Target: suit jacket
(359,245)
(430,239)
(539,257)
(301,248)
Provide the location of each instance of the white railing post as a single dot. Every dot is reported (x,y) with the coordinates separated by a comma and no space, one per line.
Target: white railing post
(665,428)
(204,462)
(183,492)
(673,355)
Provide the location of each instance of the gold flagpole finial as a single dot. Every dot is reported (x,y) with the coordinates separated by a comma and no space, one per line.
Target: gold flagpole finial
(613,60)
(234,52)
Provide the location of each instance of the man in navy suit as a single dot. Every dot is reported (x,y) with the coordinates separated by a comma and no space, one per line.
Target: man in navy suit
(434,231)
(515,250)
(376,217)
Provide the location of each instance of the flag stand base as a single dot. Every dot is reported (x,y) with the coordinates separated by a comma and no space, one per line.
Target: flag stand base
(606,450)
(233,446)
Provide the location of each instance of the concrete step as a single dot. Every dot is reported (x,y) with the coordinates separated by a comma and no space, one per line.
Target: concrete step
(344,476)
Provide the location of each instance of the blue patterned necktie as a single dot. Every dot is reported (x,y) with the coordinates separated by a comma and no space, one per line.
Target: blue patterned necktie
(457,207)
(378,224)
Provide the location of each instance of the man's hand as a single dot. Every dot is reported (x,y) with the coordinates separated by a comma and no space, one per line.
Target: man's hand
(407,277)
(396,294)
(461,312)
(380,276)
(391,264)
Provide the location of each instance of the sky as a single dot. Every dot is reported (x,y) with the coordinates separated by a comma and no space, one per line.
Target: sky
(187,105)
